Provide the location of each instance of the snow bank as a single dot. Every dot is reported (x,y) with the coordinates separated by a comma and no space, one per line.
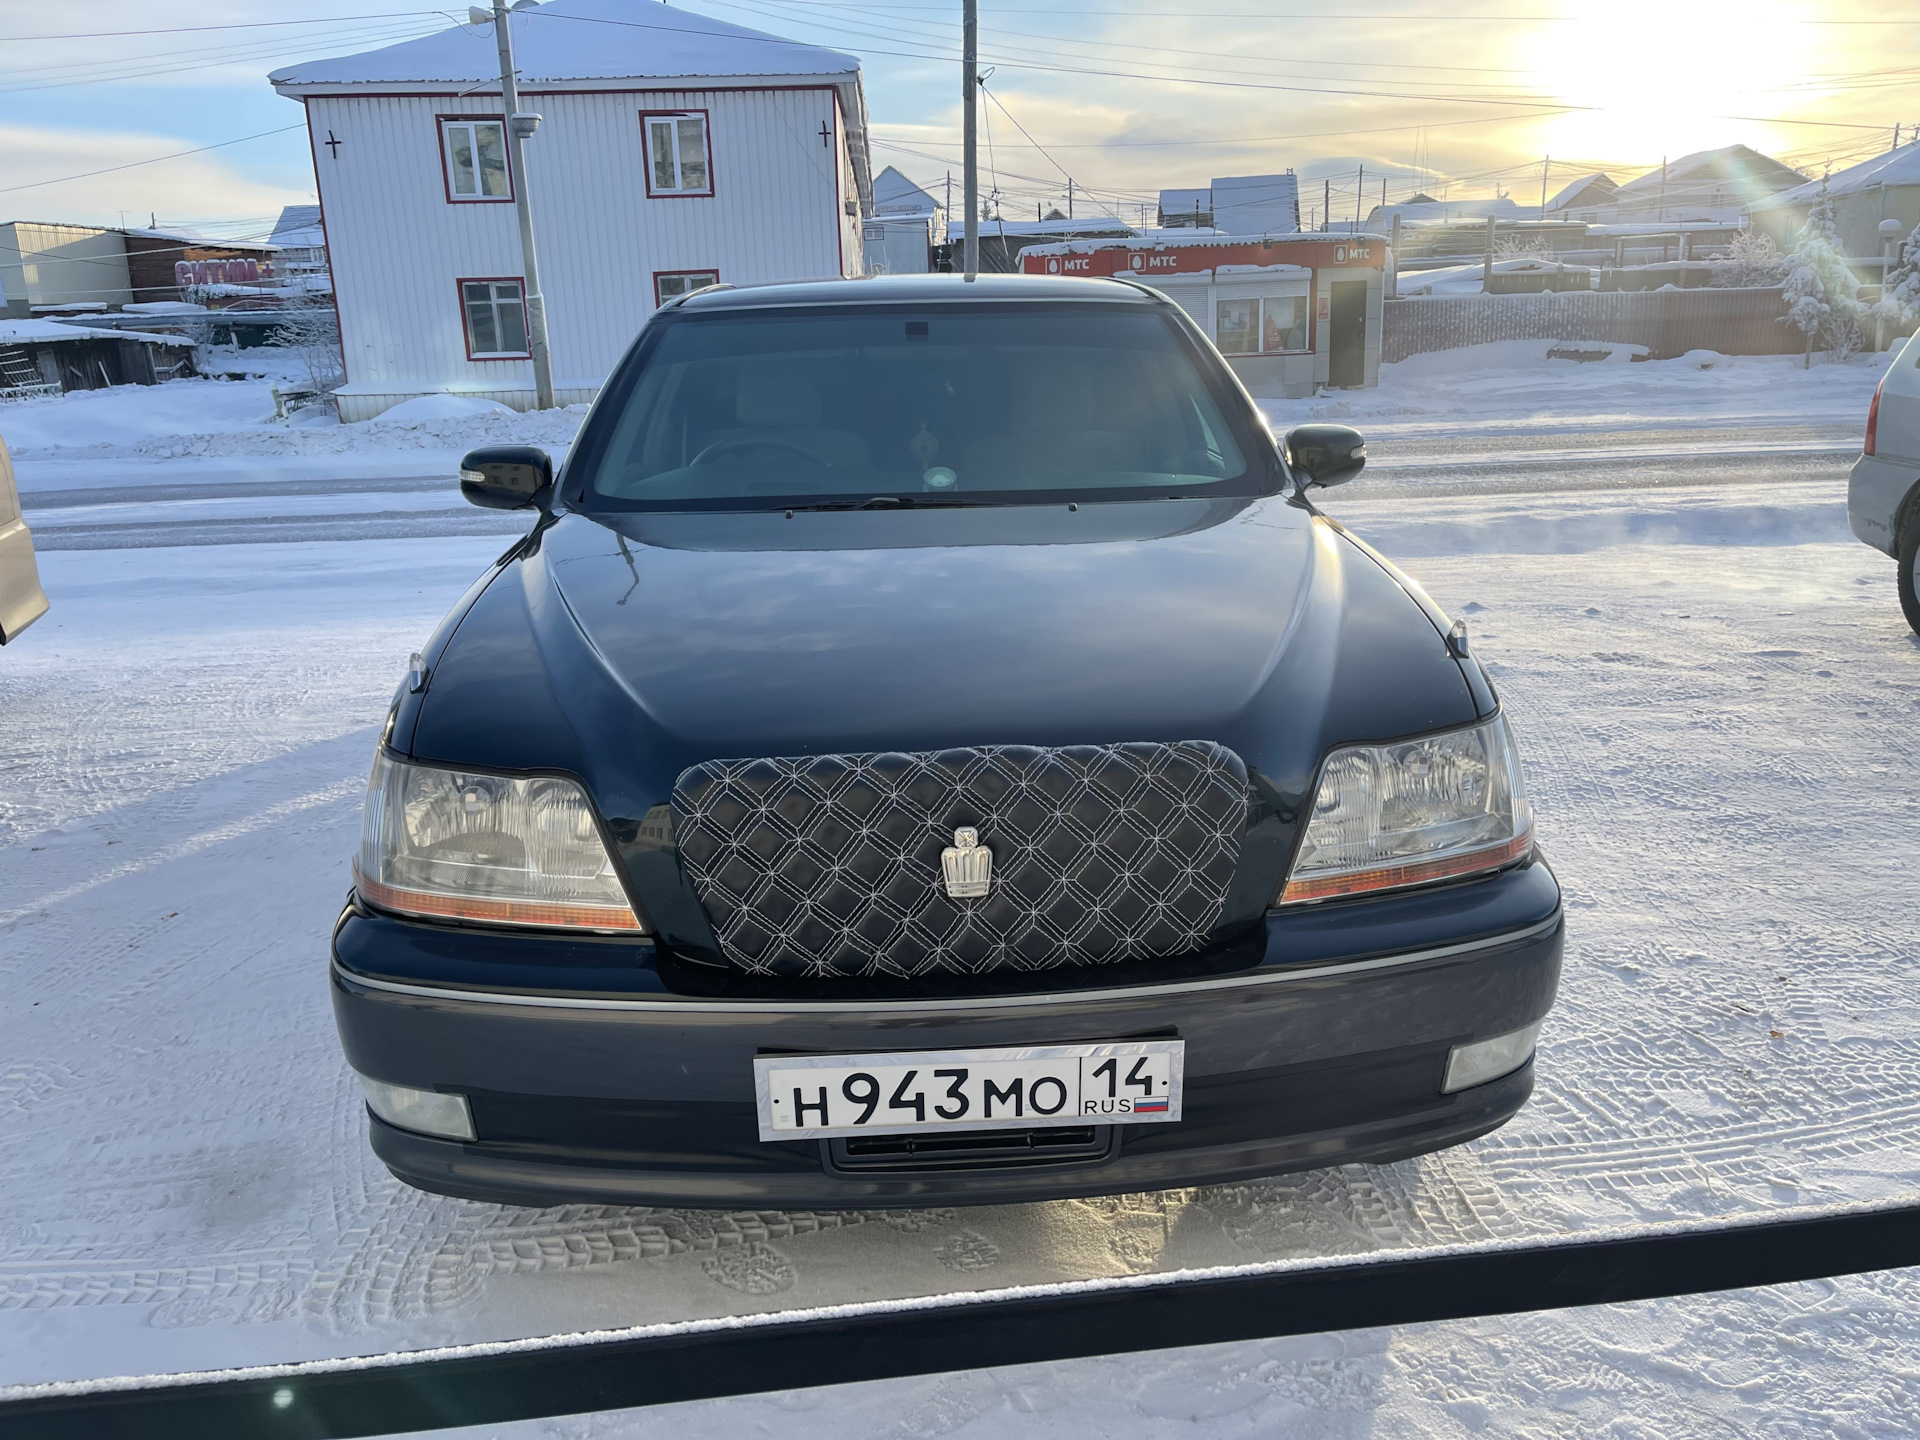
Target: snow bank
(440,407)
(211,419)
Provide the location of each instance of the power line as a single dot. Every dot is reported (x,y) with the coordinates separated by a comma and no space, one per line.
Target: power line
(247,25)
(157,159)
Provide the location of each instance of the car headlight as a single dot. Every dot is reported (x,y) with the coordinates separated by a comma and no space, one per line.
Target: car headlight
(499,849)
(1412,812)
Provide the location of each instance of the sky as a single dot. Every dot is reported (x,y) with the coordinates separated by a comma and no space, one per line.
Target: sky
(1123,97)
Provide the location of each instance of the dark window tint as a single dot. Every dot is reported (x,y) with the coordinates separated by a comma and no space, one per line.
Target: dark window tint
(995,405)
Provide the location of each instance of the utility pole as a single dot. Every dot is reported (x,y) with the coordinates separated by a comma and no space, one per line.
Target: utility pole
(970,182)
(1069,197)
(1326,204)
(1546,163)
(1359,196)
(518,128)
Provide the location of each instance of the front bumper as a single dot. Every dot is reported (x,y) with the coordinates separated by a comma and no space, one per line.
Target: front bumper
(1329,1050)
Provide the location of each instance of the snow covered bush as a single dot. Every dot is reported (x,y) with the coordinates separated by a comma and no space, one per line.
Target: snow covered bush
(1822,292)
(1752,259)
(1900,299)
(312,332)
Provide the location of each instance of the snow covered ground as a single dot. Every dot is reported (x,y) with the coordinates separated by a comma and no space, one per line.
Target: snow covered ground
(1717,701)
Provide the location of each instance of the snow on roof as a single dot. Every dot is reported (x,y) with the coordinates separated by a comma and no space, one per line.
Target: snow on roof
(895,194)
(45,332)
(1197,240)
(1895,167)
(1732,163)
(299,228)
(1598,181)
(1093,225)
(1440,212)
(572,40)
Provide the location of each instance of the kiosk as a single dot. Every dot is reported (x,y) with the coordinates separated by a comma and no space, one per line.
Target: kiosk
(1291,315)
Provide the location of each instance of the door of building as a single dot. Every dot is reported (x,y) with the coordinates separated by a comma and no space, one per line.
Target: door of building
(1347,336)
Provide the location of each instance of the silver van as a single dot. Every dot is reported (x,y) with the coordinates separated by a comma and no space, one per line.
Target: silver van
(1883,494)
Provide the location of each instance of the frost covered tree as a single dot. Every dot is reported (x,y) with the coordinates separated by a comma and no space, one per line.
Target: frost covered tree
(1752,259)
(1900,298)
(311,332)
(1822,292)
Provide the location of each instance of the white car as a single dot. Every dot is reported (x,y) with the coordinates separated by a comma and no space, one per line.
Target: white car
(1883,495)
(21,600)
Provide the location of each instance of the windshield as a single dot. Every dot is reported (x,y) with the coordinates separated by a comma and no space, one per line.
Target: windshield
(875,406)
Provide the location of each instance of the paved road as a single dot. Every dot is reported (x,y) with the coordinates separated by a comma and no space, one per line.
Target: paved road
(1509,460)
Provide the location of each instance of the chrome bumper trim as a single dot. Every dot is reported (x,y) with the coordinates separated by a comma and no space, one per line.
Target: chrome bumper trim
(944,1007)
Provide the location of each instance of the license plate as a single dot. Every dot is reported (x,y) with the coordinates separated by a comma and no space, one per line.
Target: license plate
(1124,1082)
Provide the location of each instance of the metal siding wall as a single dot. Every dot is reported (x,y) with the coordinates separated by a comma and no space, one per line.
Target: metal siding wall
(397,246)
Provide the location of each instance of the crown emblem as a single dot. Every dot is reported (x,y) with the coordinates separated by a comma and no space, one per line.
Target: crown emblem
(968,865)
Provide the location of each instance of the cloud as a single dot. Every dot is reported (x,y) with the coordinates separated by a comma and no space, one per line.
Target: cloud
(198,186)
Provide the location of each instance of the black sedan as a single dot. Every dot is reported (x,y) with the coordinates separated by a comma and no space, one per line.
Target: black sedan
(929,749)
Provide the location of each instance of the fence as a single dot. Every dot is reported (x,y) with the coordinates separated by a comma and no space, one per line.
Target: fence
(1667,322)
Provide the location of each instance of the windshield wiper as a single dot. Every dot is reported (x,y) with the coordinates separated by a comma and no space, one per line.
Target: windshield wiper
(891,502)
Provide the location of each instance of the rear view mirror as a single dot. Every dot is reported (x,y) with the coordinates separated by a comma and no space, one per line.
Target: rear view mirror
(505,477)
(1324,454)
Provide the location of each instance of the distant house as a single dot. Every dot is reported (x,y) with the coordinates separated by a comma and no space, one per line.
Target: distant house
(48,268)
(676,150)
(1589,198)
(1424,210)
(301,236)
(1186,210)
(173,264)
(1236,205)
(898,238)
(45,265)
(1709,185)
(1887,187)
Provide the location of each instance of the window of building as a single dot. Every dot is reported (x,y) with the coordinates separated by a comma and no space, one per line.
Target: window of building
(672,284)
(1236,327)
(496,319)
(473,152)
(1283,324)
(676,145)
(1269,325)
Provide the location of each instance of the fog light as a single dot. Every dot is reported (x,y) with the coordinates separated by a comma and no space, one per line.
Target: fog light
(426,1111)
(1476,1064)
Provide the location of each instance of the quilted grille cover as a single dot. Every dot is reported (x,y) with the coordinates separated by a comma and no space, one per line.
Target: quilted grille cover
(830,864)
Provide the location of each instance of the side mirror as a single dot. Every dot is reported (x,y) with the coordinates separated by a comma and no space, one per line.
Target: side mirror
(505,477)
(1324,454)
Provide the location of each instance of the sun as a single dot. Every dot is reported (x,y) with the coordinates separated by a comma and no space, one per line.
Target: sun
(1664,77)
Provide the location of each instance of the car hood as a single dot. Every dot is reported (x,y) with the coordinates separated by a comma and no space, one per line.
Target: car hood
(876,630)
(659,641)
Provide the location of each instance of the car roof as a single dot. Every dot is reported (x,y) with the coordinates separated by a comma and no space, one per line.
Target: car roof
(915,290)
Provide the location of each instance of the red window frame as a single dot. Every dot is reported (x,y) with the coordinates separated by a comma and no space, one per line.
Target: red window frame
(446,175)
(646,156)
(466,335)
(660,275)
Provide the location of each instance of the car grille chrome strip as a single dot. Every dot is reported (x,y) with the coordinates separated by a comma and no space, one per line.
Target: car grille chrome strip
(1169,990)
(962,861)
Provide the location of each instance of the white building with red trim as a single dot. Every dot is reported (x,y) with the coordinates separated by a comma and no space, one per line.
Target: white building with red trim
(675,150)
(1291,315)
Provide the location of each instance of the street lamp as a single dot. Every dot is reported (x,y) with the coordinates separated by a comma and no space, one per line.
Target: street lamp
(1889,237)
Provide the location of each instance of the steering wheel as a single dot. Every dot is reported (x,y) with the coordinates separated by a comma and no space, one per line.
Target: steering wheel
(749,442)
